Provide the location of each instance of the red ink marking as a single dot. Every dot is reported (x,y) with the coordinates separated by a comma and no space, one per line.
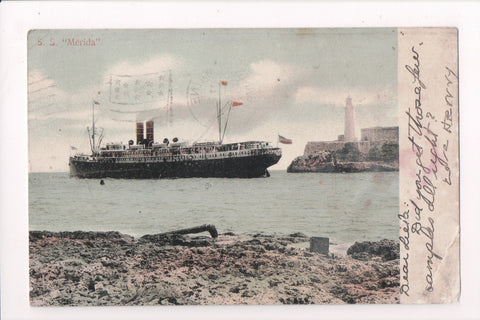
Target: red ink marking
(81,42)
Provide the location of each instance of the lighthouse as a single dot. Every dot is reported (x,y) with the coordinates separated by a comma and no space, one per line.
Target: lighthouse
(349,121)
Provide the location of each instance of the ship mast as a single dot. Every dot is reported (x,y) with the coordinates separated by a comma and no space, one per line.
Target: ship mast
(94,145)
(93,127)
(170,99)
(219,113)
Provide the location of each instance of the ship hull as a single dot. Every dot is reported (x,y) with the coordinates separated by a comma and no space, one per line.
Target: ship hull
(235,167)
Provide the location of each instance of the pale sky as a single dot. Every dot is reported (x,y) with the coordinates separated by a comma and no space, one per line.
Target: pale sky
(292,82)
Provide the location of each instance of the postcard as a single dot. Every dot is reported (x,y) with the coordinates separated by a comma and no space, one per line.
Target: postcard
(228,166)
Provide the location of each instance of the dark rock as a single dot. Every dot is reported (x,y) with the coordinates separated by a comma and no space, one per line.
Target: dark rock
(270,246)
(386,249)
(72,276)
(297,235)
(362,256)
(176,240)
(388,283)
(113,236)
(235,289)
(102,293)
(212,276)
(172,300)
(295,300)
(247,294)
(91,285)
(273,283)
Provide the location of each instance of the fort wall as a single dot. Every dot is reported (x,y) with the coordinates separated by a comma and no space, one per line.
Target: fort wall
(386,134)
(371,137)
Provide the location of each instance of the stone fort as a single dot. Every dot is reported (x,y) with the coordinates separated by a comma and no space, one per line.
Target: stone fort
(370,137)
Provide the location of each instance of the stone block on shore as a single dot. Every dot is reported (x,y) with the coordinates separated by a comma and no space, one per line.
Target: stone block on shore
(319,245)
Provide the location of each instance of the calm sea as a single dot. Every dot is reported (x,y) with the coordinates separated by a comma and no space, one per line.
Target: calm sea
(344,207)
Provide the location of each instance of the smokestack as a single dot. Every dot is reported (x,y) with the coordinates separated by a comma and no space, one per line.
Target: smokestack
(139,132)
(349,121)
(149,133)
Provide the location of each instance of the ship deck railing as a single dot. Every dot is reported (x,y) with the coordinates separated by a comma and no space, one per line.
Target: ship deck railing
(188,156)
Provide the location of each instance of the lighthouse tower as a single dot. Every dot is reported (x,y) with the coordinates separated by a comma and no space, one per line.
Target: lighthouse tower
(349,121)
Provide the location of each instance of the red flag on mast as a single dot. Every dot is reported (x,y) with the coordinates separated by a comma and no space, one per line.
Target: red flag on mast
(224,83)
(235,103)
(284,140)
(96,102)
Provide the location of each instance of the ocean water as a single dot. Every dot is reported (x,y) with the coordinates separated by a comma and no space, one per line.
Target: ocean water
(344,207)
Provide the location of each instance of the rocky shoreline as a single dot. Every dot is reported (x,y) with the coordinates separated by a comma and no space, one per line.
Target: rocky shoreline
(302,164)
(110,268)
(377,158)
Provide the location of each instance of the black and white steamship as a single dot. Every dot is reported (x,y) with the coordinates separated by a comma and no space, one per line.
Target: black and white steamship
(147,159)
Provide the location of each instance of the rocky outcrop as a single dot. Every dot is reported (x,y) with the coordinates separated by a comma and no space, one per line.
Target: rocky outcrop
(109,268)
(348,159)
(310,164)
(386,249)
